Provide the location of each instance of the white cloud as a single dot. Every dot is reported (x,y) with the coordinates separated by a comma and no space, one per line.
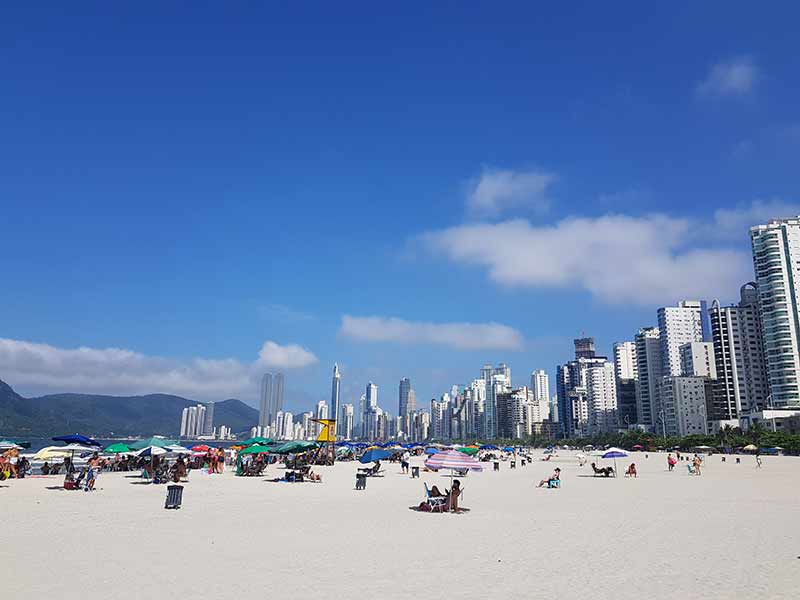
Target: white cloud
(736,77)
(734,223)
(496,191)
(619,259)
(462,336)
(42,367)
(285,357)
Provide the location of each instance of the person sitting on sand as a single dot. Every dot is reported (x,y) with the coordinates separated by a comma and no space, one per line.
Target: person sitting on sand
(45,468)
(696,464)
(553,480)
(631,472)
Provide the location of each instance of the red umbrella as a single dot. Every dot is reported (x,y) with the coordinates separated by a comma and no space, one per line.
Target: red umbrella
(638,447)
(201,448)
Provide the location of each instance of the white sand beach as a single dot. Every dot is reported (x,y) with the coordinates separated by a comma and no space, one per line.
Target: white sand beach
(732,532)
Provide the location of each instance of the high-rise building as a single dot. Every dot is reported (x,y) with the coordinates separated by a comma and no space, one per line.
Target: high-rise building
(648,375)
(697,360)
(571,389)
(348,413)
(678,325)
(601,395)
(264,416)
(625,360)
(335,388)
(271,398)
(540,388)
(208,425)
(776,258)
(684,402)
(403,403)
(741,369)
(584,347)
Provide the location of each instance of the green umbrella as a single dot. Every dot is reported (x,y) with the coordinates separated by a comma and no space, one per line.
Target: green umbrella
(254,449)
(294,447)
(117,448)
(257,440)
(468,450)
(153,441)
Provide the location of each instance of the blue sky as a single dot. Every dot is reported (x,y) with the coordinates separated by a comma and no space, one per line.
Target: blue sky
(182,184)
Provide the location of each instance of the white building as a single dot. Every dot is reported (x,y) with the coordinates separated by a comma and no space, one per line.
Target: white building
(625,360)
(697,360)
(776,258)
(678,325)
(684,401)
(742,385)
(540,388)
(648,369)
(348,413)
(601,395)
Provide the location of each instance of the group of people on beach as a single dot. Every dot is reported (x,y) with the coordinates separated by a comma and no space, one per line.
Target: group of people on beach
(13,466)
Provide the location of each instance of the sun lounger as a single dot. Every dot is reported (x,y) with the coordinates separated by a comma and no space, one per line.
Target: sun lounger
(435,502)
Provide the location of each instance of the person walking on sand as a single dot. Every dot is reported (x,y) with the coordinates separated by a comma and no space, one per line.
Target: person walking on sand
(671,462)
(758,459)
(696,464)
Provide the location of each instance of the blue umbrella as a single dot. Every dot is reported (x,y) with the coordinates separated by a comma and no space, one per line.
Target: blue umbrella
(373,455)
(615,453)
(77,439)
(360,445)
(508,449)
(431,450)
(488,447)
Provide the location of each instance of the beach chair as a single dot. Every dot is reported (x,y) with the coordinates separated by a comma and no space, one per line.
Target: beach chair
(174,497)
(690,469)
(435,502)
(554,483)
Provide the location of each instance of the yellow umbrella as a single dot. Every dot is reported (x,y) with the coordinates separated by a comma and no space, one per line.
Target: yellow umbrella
(51,452)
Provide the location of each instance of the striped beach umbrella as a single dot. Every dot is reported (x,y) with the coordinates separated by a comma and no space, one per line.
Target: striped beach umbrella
(453,459)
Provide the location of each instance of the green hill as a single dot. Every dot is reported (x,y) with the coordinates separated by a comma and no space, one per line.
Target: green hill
(108,415)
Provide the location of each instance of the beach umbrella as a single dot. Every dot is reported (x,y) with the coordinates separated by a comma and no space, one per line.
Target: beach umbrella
(264,441)
(51,452)
(750,448)
(255,449)
(431,450)
(294,447)
(452,459)
(638,447)
(9,445)
(470,450)
(77,439)
(373,455)
(117,448)
(200,448)
(614,453)
(153,441)
(177,449)
(489,447)
(152,451)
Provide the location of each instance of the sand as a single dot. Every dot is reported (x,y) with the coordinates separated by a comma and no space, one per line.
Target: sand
(733,532)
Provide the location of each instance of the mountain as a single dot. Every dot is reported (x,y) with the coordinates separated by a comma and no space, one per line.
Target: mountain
(102,416)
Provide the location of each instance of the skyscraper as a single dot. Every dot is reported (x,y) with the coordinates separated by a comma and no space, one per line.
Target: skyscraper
(584,347)
(776,258)
(625,371)
(601,395)
(648,370)
(264,417)
(741,370)
(540,389)
(678,325)
(404,391)
(208,425)
(335,387)
(271,399)
(625,360)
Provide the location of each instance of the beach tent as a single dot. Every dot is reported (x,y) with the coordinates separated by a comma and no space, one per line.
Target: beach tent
(153,441)
(373,455)
(117,448)
(77,439)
